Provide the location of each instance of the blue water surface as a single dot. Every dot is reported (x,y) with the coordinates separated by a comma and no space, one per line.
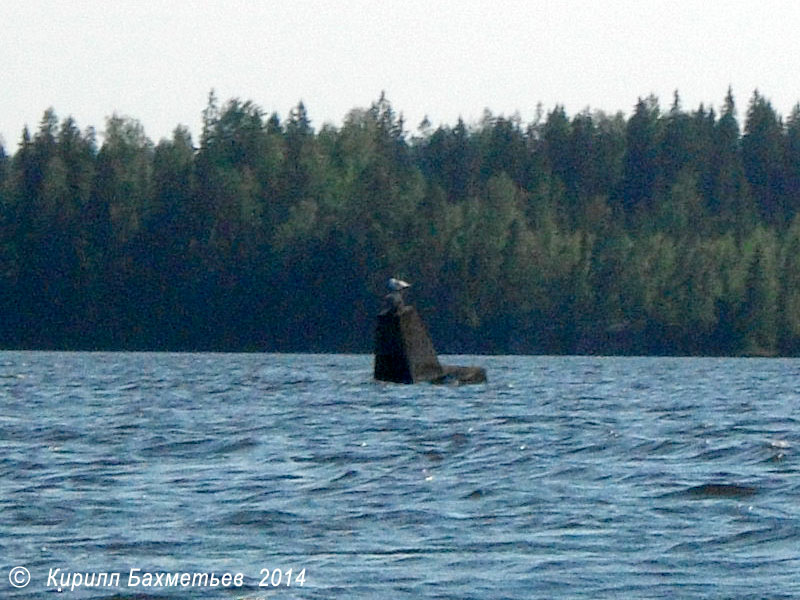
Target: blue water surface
(563,477)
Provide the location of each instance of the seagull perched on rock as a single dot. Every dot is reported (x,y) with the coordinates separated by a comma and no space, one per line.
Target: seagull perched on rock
(394,298)
(397,285)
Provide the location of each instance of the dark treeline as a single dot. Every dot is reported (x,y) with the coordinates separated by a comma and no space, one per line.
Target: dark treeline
(667,231)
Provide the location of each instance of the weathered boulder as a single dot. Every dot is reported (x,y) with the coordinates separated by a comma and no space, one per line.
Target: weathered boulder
(404,352)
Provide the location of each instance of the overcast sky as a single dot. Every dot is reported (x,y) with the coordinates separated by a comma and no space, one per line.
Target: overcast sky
(157,61)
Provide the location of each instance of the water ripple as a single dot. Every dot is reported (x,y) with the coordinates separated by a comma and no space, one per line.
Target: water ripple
(580,477)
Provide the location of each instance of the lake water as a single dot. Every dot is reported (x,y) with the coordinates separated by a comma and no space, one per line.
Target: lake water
(563,477)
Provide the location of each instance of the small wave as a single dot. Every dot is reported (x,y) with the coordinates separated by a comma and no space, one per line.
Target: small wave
(779,444)
(177,448)
(777,457)
(717,453)
(143,547)
(349,474)
(231,447)
(777,533)
(656,447)
(263,518)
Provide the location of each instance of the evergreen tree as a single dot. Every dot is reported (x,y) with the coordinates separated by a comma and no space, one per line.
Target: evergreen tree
(641,157)
(792,164)
(730,196)
(762,154)
(674,144)
(759,309)
(584,180)
(789,291)
(450,159)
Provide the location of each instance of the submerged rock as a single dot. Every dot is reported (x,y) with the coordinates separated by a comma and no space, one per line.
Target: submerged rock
(722,490)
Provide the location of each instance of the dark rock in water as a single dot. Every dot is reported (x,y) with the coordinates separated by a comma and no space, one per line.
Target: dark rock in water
(721,490)
(453,374)
(477,494)
(404,352)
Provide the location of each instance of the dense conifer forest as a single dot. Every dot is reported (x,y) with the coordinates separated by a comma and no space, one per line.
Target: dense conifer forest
(668,231)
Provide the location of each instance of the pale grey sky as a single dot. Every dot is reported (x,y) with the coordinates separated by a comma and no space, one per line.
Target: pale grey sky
(157,61)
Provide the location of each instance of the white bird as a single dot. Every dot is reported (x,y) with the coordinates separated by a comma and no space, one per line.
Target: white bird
(397,285)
